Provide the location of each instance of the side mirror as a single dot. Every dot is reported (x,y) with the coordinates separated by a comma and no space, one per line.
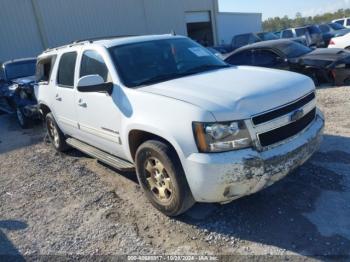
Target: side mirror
(94,83)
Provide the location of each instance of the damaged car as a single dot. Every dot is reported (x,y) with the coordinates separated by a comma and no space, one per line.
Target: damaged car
(323,65)
(18,79)
(194,128)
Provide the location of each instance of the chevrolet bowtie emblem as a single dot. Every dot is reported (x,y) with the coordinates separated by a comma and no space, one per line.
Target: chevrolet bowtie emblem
(298,114)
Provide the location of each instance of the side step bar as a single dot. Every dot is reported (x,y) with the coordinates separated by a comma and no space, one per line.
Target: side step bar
(102,156)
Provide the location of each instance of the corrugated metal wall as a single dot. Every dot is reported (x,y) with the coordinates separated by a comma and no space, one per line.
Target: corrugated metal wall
(231,24)
(19,35)
(29,26)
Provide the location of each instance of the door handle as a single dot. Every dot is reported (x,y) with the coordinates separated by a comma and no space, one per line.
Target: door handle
(58,98)
(81,103)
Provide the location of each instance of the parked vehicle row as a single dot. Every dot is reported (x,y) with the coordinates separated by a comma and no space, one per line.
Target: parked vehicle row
(314,36)
(194,128)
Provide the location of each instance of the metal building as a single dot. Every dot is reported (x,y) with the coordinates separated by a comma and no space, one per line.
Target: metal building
(29,26)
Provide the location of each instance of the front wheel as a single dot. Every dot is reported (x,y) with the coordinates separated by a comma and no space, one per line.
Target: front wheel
(161,176)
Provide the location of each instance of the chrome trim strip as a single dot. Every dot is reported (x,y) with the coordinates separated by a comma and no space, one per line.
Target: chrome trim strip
(107,135)
(283,120)
(277,108)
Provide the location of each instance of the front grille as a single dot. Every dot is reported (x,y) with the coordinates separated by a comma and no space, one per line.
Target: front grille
(257,120)
(284,132)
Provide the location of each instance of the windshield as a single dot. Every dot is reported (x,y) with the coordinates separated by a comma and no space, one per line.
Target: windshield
(292,49)
(20,69)
(336,26)
(161,60)
(267,36)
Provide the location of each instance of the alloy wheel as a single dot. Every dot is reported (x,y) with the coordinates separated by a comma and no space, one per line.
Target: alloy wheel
(158,180)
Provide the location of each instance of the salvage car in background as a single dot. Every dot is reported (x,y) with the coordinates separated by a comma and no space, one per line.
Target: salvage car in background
(340,42)
(323,65)
(312,34)
(17,89)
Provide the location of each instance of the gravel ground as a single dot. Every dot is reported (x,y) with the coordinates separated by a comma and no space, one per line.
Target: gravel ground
(59,204)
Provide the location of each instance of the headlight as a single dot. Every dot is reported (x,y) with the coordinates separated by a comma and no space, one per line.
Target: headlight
(221,137)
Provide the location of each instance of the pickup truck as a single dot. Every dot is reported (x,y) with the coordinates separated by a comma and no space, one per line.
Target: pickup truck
(194,128)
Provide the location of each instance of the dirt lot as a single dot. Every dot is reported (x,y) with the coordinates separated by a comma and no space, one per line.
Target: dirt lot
(70,204)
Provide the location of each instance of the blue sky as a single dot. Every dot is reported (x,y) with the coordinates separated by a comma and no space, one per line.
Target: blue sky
(272,8)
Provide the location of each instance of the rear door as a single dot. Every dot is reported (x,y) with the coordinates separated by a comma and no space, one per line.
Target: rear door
(64,99)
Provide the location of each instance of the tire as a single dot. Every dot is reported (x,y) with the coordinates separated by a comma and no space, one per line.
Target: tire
(161,176)
(22,120)
(56,137)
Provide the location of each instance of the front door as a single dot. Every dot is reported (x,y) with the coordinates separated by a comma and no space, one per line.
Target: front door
(98,114)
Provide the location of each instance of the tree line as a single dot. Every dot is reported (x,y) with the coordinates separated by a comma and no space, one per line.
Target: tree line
(279,23)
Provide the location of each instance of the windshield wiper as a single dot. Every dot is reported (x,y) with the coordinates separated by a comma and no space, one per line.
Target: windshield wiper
(159,78)
(166,77)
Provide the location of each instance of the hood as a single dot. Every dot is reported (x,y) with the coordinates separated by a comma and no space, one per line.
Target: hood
(236,92)
(24,80)
(324,56)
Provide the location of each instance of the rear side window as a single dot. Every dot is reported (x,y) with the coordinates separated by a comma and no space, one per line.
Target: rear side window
(44,68)
(287,34)
(240,58)
(66,70)
(341,22)
(92,64)
(348,22)
(300,31)
(265,58)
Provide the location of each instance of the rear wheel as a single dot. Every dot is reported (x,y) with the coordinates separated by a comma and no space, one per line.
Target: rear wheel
(162,178)
(56,136)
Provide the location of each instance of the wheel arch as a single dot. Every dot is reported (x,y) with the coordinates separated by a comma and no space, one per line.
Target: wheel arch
(44,109)
(137,137)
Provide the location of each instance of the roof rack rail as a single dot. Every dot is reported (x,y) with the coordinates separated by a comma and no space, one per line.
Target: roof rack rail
(64,46)
(101,38)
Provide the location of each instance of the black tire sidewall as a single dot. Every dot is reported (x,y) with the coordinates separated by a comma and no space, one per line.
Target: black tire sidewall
(26,121)
(62,146)
(174,169)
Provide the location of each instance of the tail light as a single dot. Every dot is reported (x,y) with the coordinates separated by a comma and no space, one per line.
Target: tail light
(332,42)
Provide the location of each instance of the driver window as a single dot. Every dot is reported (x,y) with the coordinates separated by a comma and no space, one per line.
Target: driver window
(92,64)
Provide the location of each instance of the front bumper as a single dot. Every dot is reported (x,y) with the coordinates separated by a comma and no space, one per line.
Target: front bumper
(224,177)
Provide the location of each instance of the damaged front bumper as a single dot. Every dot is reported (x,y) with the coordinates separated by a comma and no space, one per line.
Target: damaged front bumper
(224,177)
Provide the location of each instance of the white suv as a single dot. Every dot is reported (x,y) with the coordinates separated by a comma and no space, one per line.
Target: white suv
(194,128)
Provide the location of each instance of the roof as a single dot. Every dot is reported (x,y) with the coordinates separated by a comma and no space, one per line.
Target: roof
(18,60)
(265,44)
(117,40)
